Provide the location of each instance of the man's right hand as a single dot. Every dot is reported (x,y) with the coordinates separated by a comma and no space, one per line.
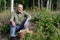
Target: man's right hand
(13,23)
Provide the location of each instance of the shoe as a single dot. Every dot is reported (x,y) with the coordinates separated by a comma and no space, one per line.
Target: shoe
(12,38)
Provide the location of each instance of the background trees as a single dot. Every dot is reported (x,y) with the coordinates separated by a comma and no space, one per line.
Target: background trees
(30,3)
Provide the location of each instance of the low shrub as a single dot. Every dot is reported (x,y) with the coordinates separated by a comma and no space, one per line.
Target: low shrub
(47,25)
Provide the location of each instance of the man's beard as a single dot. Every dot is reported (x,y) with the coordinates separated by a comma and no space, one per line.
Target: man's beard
(18,12)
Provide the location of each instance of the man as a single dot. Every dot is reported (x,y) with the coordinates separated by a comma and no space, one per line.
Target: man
(19,20)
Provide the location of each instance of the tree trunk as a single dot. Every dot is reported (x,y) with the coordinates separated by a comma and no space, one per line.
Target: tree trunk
(39,4)
(5,5)
(12,5)
(33,3)
(58,4)
(49,3)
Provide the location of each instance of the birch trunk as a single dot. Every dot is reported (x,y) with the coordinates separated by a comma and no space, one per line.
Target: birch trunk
(49,3)
(12,5)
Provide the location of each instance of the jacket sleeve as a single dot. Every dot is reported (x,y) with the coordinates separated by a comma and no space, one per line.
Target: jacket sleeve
(27,15)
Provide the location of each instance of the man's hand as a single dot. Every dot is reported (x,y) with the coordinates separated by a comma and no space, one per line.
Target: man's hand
(13,23)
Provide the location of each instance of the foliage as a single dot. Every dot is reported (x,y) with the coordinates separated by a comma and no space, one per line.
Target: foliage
(48,26)
(5,29)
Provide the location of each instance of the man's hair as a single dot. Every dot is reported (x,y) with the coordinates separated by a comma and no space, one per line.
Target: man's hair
(20,4)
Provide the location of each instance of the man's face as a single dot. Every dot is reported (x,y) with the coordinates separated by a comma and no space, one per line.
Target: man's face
(20,8)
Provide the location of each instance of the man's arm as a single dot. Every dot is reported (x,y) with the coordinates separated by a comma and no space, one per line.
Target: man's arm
(12,20)
(26,25)
(28,16)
